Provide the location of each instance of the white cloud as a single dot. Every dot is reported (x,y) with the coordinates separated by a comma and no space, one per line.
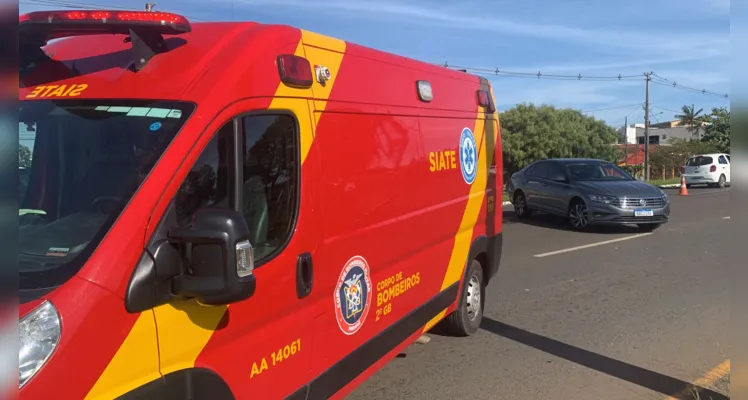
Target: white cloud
(656,42)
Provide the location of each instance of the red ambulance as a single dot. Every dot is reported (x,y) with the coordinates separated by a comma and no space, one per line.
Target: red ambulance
(239,210)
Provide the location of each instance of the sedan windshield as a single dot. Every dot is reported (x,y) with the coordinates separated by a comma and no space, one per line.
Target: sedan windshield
(596,171)
(80,164)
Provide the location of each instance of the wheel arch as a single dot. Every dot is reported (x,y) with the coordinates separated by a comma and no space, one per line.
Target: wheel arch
(518,190)
(487,251)
(576,198)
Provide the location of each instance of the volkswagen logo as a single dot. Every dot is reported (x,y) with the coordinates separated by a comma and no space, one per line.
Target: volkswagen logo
(642,202)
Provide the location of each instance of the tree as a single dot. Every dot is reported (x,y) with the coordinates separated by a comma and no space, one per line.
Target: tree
(677,152)
(717,130)
(24,156)
(530,133)
(692,119)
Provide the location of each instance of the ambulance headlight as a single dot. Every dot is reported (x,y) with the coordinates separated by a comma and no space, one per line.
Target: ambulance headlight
(39,331)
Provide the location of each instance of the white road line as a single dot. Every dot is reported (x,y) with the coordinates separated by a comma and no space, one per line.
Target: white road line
(725,217)
(553,253)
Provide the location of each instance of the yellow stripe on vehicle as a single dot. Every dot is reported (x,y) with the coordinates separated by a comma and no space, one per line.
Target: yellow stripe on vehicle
(134,364)
(464,236)
(185,328)
(319,50)
(328,52)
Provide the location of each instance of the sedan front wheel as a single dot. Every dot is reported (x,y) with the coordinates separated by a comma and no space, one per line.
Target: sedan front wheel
(578,217)
(520,205)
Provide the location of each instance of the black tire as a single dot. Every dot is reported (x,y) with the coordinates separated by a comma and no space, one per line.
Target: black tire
(575,207)
(722,181)
(647,227)
(520,205)
(463,321)
(688,185)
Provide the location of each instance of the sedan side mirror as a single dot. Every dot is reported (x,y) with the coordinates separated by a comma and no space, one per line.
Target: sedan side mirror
(219,258)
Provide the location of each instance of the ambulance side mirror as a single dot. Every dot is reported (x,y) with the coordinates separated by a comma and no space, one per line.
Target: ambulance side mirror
(218,258)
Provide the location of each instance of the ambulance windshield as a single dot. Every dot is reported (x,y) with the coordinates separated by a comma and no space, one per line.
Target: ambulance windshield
(80,163)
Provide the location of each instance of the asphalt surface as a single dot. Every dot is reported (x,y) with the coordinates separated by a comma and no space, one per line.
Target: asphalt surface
(632,319)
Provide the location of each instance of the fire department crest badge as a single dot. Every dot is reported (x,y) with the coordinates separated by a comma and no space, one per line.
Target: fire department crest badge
(353,295)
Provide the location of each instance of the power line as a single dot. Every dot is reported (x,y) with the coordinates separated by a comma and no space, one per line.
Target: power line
(653,78)
(612,108)
(692,90)
(625,118)
(666,109)
(667,82)
(541,75)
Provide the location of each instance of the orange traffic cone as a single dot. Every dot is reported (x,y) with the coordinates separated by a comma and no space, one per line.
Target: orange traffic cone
(683,188)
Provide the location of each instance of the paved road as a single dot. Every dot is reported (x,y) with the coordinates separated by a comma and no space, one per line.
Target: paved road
(632,319)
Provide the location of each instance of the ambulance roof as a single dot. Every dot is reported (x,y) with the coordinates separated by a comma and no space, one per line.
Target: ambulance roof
(237,59)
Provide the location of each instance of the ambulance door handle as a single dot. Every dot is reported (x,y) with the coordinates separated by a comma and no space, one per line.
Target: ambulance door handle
(304,275)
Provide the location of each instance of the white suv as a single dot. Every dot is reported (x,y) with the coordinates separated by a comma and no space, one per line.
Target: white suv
(712,170)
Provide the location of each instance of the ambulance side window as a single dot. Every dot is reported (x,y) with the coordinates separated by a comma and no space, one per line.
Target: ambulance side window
(270,180)
(207,183)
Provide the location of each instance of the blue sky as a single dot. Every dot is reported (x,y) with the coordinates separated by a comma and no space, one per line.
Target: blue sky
(683,41)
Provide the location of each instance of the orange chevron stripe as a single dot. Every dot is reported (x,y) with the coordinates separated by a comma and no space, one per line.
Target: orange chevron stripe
(184,333)
(464,235)
(135,362)
(185,328)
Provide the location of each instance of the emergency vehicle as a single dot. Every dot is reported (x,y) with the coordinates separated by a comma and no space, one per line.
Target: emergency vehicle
(239,210)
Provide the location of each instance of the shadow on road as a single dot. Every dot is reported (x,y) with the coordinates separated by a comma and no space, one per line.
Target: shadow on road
(664,384)
(549,221)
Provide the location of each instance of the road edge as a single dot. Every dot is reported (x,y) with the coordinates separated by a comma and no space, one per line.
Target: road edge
(711,376)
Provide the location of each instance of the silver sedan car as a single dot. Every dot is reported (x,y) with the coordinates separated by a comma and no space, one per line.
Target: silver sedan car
(588,192)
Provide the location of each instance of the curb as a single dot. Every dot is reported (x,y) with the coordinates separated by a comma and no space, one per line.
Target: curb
(506,203)
(670,186)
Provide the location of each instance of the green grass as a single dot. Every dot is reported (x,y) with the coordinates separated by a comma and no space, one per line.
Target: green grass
(506,197)
(720,385)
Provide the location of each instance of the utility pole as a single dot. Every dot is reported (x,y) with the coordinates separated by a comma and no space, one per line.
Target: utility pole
(626,140)
(648,75)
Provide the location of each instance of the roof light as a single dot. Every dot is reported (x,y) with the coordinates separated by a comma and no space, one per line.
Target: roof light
(161,18)
(485,100)
(107,21)
(144,29)
(295,71)
(425,93)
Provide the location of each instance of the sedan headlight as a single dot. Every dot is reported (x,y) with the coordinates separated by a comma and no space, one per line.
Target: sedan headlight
(600,198)
(40,333)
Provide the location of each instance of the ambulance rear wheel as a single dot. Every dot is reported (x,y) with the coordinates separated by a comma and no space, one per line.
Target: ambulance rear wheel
(466,319)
